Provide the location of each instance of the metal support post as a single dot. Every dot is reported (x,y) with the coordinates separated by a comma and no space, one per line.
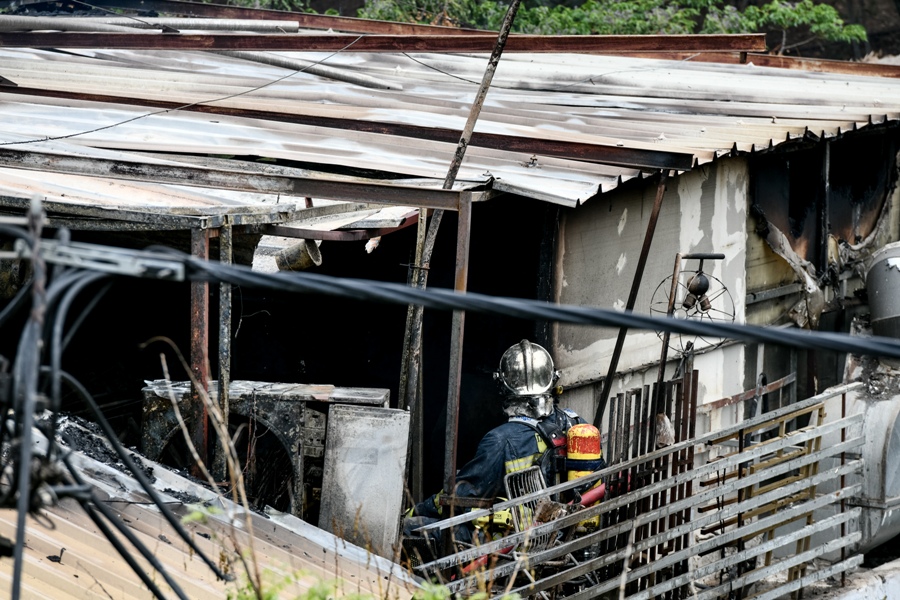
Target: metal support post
(456,343)
(199,348)
(225,257)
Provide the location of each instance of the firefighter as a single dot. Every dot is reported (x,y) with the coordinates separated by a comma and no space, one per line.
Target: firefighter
(535,434)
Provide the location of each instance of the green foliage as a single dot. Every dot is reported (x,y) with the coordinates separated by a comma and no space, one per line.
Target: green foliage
(273,586)
(200,513)
(806,18)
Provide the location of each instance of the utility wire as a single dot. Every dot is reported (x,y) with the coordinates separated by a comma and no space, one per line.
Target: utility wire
(442,299)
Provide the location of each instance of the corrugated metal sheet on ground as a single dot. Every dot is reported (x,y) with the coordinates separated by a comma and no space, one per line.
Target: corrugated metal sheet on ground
(90,568)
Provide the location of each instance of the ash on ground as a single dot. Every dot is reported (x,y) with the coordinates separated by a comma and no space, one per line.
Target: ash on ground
(88,438)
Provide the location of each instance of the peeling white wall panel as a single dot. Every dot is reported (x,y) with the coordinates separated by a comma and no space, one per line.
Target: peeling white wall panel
(702,211)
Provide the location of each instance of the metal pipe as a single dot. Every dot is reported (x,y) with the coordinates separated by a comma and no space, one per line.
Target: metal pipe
(199,348)
(17,23)
(312,68)
(261,26)
(632,298)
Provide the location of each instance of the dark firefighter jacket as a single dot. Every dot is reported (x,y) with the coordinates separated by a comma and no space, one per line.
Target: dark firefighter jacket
(514,446)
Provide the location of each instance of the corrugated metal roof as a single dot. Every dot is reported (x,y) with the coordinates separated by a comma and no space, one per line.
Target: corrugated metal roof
(702,109)
(285,546)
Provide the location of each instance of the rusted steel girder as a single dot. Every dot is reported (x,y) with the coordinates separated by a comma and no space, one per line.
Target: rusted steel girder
(608,154)
(389,43)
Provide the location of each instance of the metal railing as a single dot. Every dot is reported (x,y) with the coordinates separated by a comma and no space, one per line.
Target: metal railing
(673,529)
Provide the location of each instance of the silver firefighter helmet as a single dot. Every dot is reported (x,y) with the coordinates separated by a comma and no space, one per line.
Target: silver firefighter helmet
(526,376)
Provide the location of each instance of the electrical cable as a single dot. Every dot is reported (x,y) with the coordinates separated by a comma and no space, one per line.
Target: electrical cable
(139,475)
(449,300)
(76,324)
(89,509)
(28,364)
(85,278)
(16,303)
(129,535)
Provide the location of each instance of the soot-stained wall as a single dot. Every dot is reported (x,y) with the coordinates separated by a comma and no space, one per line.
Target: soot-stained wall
(702,211)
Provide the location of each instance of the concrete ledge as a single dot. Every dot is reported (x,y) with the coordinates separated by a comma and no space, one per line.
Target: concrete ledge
(880,583)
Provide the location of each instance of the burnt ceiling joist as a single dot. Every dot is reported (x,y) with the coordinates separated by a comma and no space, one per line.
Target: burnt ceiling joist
(630,157)
(239,180)
(388,43)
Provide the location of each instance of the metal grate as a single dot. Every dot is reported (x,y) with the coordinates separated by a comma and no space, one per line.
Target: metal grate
(526,483)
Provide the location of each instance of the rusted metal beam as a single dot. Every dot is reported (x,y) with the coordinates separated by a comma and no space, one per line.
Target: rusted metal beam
(584,44)
(824,66)
(199,350)
(234,180)
(306,20)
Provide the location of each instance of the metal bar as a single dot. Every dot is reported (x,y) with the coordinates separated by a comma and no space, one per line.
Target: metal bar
(479,42)
(226,247)
(771,294)
(843,500)
(752,576)
(591,565)
(670,309)
(611,435)
(233,180)
(184,222)
(59,23)
(811,65)
(616,503)
(750,529)
(817,576)
(661,538)
(638,158)
(632,298)
(463,230)
(410,383)
(199,350)
(750,394)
